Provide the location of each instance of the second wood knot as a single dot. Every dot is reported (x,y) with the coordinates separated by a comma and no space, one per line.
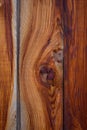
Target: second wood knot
(58,55)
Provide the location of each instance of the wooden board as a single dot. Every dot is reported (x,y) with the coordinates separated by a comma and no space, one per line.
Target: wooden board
(7,66)
(41,59)
(75,65)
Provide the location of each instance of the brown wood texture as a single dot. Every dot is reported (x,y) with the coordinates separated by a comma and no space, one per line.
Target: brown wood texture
(6,65)
(49,100)
(41,59)
(75,64)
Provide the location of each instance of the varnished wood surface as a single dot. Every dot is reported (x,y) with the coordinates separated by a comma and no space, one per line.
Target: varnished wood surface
(52,96)
(41,59)
(6,67)
(75,65)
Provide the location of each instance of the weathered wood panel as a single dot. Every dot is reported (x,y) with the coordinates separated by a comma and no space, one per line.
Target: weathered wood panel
(41,58)
(75,65)
(7,66)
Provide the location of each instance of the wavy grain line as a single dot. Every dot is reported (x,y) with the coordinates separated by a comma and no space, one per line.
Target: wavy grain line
(42,99)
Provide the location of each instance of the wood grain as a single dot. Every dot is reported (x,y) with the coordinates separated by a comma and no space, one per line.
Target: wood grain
(6,65)
(75,65)
(41,59)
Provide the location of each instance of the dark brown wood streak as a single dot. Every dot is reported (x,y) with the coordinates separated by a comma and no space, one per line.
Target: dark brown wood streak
(75,64)
(6,60)
(8,24)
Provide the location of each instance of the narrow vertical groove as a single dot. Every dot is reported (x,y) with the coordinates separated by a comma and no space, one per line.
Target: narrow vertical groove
(18,126)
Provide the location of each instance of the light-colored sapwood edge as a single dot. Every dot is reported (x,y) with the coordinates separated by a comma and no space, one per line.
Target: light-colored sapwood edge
(12,114)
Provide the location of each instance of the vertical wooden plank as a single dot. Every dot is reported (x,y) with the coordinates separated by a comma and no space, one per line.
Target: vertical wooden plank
(41,58)
(75,65)
(7,66)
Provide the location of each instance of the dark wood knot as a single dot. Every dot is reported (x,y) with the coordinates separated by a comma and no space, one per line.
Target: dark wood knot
(47,75)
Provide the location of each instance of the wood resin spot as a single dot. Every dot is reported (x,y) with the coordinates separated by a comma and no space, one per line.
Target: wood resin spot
(1,3)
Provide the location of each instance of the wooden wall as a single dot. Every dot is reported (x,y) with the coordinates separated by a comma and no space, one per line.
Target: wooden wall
(43,75)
